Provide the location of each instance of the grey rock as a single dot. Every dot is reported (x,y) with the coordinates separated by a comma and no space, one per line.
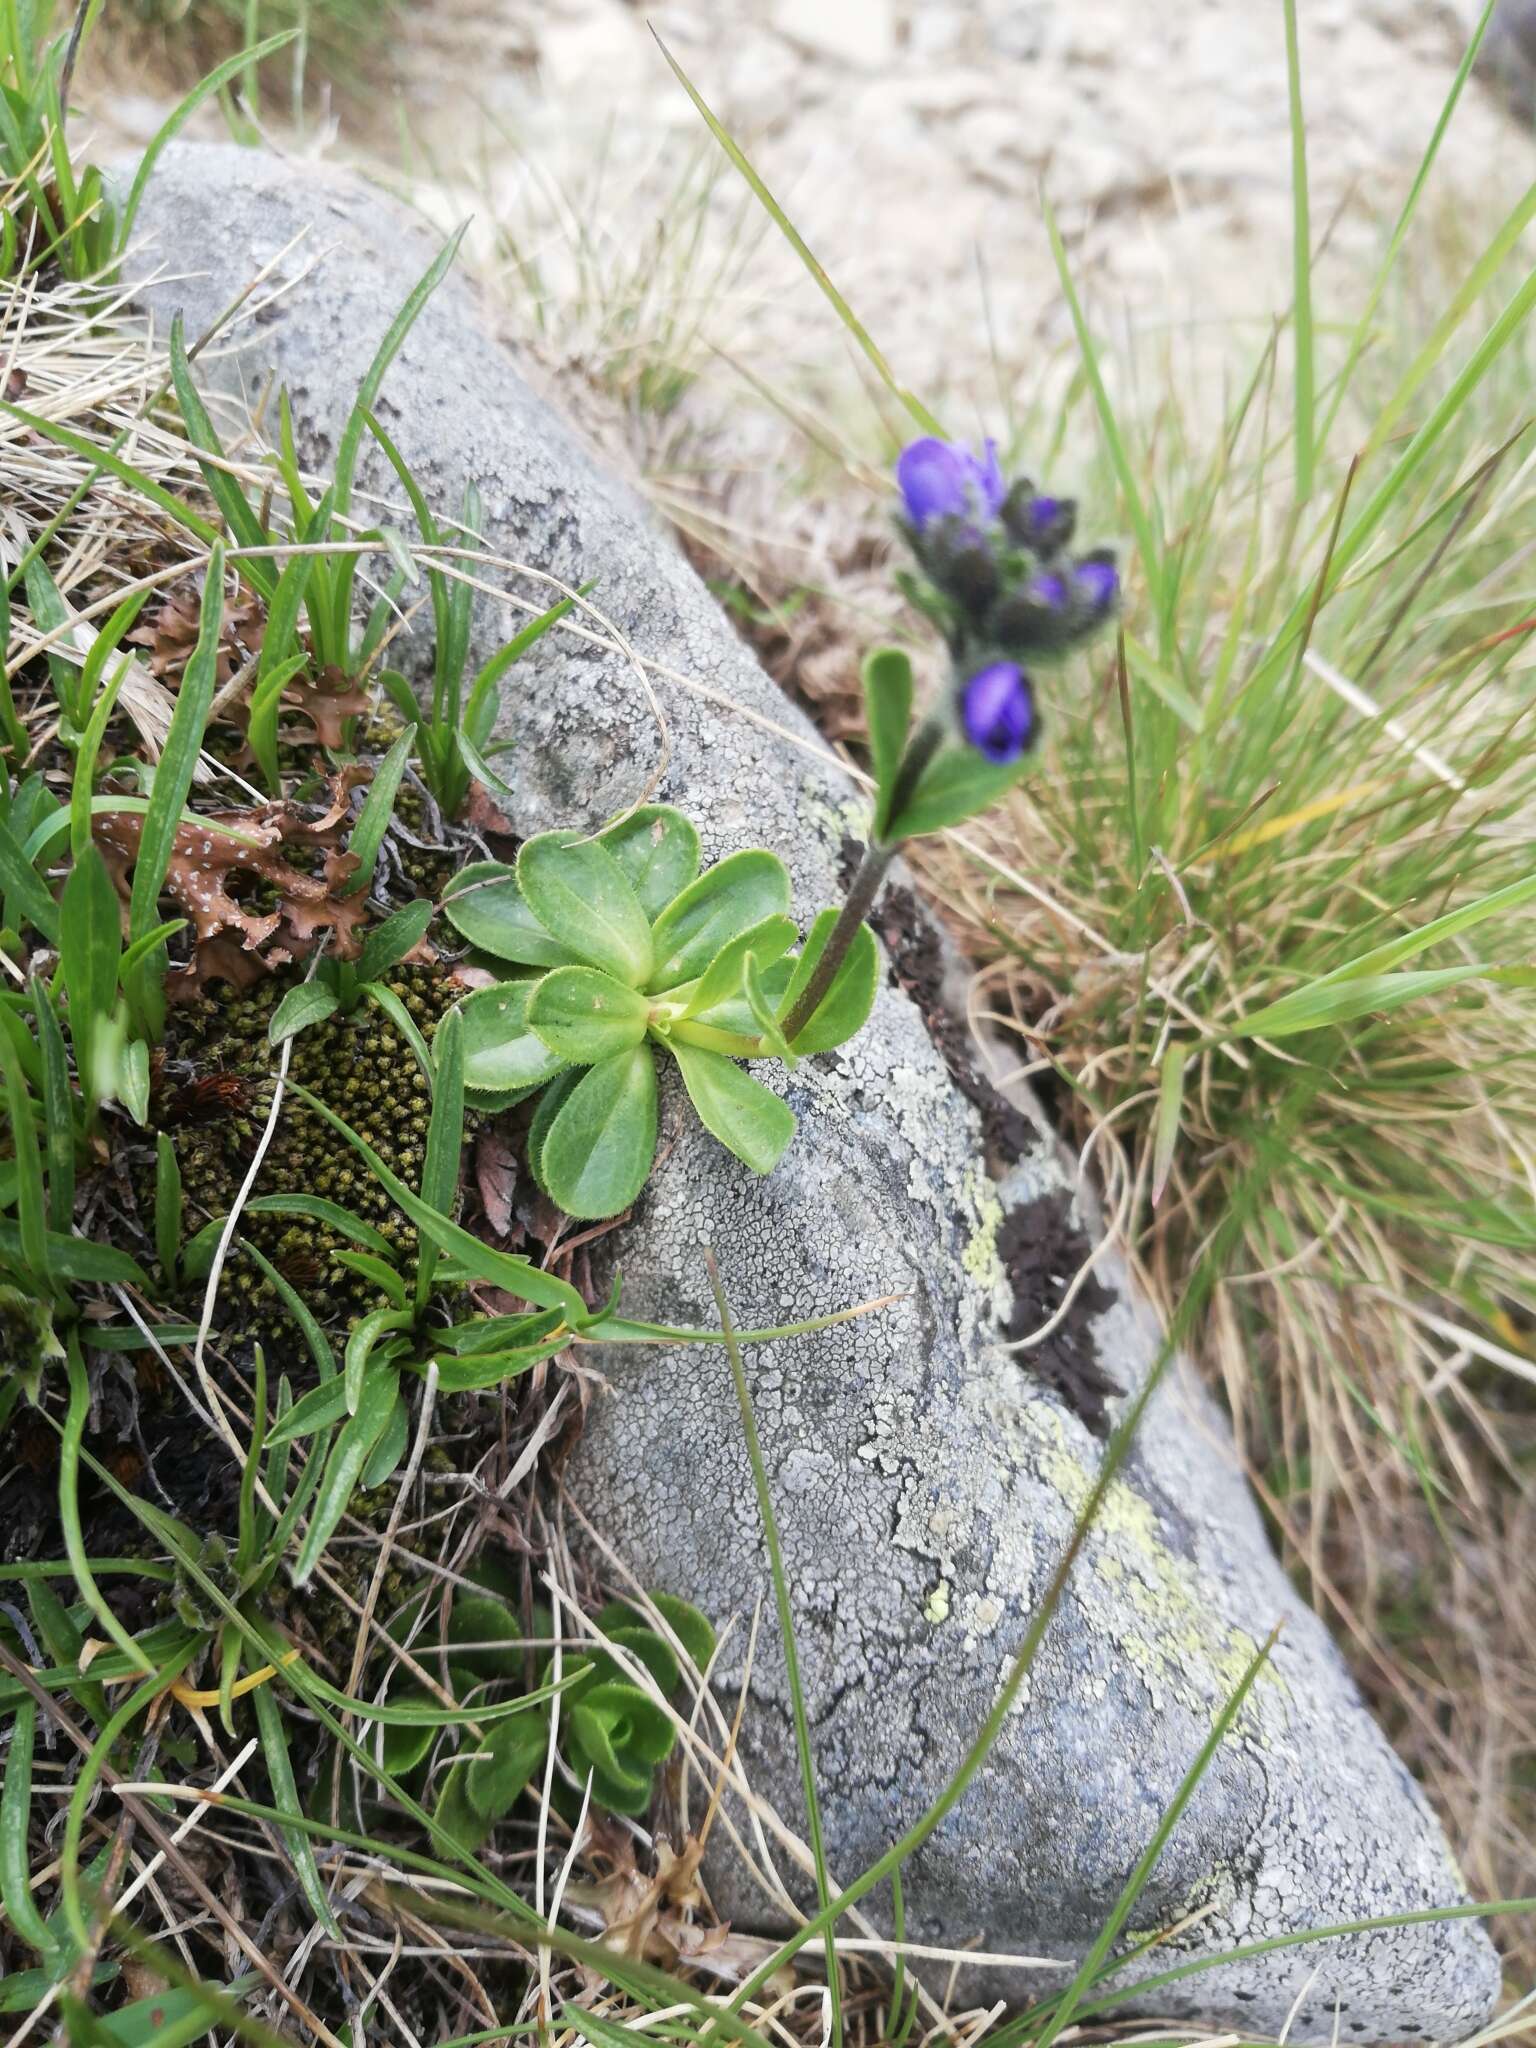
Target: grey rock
(1508,53)
(927,1480)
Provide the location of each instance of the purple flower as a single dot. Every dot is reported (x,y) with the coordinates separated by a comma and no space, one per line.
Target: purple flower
(941,480)
(997,711)
(1098,583)
(1049,591)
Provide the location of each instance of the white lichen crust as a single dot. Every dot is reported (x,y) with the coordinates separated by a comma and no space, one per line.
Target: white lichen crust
(925,1481)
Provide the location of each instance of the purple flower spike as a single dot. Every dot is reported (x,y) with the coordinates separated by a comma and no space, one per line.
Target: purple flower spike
(940,480)
(997,710)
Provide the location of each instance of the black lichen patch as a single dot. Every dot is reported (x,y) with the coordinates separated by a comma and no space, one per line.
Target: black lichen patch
(214,1100)
(1040,1246)
(1041,1249)
(917,960)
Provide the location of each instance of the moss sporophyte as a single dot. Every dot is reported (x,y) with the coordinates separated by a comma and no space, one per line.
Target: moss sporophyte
(625,950)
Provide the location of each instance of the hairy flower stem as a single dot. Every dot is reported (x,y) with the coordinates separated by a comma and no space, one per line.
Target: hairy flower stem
(865,886)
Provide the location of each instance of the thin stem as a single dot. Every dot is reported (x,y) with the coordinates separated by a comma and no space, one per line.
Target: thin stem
(865,887)
(856,907)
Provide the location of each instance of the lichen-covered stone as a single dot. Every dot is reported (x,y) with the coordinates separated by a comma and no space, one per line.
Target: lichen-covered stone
(926,1480)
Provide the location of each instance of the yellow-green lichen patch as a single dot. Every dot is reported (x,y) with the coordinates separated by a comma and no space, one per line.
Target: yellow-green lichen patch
(1182,1650)
(979,1256)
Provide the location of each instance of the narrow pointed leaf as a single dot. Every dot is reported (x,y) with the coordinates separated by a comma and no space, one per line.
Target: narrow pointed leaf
(888,714)
(344,1468)
(390,941)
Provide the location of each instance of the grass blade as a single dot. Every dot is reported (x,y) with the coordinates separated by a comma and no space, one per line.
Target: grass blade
(215,81)
(1301,230)
(168,1204)
(378,809)
(225,489)
(58,1112)
(796,241)
(1147,543)
(31,1212)
(69,1512)
(169,791)
(786,1636)
(445,1142)
(15,1814)
(285,1797)
(1093,1962)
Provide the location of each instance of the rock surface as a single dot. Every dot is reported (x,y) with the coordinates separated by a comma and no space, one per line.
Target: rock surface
(926,1479)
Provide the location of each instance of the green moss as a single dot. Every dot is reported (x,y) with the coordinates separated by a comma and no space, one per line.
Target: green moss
(358,1065)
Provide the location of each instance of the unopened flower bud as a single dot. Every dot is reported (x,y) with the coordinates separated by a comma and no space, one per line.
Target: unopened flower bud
(997,711)
(1097,584)
(1042,524)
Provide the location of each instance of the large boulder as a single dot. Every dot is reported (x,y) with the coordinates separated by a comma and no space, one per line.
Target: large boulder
(926,1478)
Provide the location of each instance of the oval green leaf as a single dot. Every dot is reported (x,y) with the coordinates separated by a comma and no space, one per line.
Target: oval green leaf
(500,1051)
(844,1009)
(746,1117)
(506,1763)
(584,1015)
(957,784)
(737,893)
(599,1146)
(582,897)
(310,1003)
(722,979)
(888,714)
(484,903)
(658,850)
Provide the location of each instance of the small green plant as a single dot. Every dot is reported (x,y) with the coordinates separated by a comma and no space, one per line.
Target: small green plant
(614,1730)
(342,984)
(641,953)
(43,1263)
(455,732)
(52,211)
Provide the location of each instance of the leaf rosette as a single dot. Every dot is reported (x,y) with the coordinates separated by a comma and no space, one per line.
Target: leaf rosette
(627,952)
